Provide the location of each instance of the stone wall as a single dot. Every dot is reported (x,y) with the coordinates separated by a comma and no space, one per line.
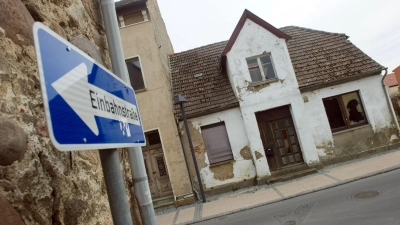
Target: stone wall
(43,185)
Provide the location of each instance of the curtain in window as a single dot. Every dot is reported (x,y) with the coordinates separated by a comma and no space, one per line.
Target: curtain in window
(269,71)
(255,74)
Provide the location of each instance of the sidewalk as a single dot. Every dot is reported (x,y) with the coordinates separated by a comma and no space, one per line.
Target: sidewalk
(252,197)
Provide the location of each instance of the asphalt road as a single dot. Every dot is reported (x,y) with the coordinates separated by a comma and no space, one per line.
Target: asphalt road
(379,204)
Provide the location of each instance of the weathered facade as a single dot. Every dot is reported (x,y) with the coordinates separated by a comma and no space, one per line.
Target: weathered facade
(270,102)
(39,184)
(146,47)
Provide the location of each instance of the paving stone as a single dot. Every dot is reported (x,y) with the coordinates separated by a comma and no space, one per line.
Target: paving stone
(166,219)
(185,215)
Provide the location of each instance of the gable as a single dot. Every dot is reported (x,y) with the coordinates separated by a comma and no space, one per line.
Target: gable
(249,15)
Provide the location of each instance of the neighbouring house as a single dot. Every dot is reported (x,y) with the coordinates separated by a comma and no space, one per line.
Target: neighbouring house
(391,81)
(271,103)
(146,47)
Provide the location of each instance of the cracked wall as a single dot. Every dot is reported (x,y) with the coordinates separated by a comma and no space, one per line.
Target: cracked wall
(343,145)
(239,169)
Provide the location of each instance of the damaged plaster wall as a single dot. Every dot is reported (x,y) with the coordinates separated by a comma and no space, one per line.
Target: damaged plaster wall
(242,168)
(379,131)
(44,185)
(150,42)
(253,40)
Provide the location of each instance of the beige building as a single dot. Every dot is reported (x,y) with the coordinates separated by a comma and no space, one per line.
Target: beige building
(146,47)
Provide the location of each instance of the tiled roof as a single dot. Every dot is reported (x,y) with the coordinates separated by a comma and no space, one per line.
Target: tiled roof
(390,80)
(319,56)
(196,75)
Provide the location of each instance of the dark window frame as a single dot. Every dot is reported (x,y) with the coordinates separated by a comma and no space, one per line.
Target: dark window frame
(150,142)
(208,151)
(343,110)
(142,85)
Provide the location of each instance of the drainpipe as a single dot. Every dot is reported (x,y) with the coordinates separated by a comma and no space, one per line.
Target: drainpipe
(390,104)
(135,154)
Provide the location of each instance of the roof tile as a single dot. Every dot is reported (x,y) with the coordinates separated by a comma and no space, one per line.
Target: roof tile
(317,57)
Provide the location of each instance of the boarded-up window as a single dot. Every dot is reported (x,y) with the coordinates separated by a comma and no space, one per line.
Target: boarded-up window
(345,111)
(217,143)
(133,18)
(135,73)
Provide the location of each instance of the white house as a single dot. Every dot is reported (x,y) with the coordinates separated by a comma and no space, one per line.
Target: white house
(270,103)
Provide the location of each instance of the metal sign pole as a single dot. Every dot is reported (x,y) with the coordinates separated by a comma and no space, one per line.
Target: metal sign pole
(142,189)
(141,183)
(115,185)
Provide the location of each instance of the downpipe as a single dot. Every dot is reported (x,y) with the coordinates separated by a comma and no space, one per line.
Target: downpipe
(391,109)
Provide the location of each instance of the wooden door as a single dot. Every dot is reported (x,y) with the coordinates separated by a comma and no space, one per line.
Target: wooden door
(159,182)
(160,185)
(279,136)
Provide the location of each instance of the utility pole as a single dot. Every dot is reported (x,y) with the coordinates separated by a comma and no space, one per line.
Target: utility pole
(140,179)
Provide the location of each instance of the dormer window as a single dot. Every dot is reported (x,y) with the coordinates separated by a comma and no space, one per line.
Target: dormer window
(261,68)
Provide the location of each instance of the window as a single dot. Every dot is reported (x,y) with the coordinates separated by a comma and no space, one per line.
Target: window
(217,143)
(261,68)
(133,18)
(135,73)
(152,138)
(345,111)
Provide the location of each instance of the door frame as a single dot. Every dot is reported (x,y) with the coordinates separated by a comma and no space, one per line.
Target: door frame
(164,155)
(266,125)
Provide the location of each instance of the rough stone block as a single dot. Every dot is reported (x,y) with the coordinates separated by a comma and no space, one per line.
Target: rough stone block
(21,22)
(88,47)
(12,141)
(8,214)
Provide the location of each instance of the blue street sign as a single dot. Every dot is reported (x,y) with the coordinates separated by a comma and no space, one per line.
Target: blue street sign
(87,107)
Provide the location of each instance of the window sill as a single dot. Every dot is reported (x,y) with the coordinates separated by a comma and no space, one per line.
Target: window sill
(141,90)
(253,84)
(222,163)
(134,24)
(351,129)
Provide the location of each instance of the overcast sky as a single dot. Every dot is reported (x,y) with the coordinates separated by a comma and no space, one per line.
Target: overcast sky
(373,25)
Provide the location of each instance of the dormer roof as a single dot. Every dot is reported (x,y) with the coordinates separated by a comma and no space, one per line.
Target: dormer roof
(249,15)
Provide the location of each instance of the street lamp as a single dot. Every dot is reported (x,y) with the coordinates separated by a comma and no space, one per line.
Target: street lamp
(180,100)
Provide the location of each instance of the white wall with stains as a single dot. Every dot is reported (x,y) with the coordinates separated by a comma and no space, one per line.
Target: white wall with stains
(372,96)
(242,169)
(254,40)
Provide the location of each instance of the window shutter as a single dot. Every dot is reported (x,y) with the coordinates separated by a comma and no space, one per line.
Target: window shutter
(217,143)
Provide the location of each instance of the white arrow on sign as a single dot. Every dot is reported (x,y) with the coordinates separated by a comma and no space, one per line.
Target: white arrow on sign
(89,101)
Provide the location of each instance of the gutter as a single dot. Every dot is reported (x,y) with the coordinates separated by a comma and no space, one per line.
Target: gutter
(340,80)
(390,103)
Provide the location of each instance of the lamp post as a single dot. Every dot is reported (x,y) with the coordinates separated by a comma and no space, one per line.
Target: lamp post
(180,100)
